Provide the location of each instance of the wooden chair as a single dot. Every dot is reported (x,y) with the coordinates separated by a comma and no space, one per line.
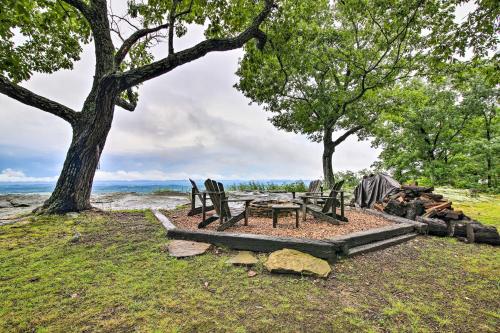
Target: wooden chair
(315,189)
(195,192)
(220,201)
(327,211)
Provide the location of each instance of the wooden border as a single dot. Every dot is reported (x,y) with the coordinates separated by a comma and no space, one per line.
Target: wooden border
(259,243)
(328,249)
(375,235)
(419,226)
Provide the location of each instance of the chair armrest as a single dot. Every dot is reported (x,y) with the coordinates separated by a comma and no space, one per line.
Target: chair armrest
(314,197)
(237,200)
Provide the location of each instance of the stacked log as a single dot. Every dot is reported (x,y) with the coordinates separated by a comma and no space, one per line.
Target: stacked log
(421,204)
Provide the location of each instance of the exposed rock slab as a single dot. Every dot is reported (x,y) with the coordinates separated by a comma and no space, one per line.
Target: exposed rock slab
(296,262)
(244,258)
(181,248)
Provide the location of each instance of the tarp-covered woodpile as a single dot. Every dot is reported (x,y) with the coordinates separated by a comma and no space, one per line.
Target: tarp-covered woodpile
(383,193)
(375,188)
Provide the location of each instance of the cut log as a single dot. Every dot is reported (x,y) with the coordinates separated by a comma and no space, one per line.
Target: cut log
(430,213)
(418,188)
(379,206)
(482,233)
(394,207)
(442,206)
(435,227)
(414,208)
(454,214)
(470,232)
(432,196)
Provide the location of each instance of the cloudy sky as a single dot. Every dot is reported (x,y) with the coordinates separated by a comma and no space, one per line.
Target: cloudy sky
(190,122)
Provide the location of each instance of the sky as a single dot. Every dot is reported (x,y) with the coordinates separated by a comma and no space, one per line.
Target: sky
(190,122)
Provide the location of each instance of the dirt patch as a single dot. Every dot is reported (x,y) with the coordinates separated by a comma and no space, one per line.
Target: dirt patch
(310,228)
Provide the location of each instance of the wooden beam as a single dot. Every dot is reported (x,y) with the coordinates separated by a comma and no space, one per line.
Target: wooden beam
(261,243)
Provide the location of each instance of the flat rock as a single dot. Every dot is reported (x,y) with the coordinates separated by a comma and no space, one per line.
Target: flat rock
(296,262)
(244,258)
(5,204)
(181,248)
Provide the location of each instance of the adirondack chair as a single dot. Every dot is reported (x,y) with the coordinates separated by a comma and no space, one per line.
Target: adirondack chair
(327,211)
(195,192)
(315,189)
(218,197)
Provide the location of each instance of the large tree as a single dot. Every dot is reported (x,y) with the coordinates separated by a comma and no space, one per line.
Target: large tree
(323,64)
(419,135)
(47,35)
(319,72)
(479,85)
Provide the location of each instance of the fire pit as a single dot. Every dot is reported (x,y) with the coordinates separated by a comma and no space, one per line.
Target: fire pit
(263,208)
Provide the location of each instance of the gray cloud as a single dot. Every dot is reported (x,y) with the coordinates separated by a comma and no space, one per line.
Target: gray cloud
(190,121)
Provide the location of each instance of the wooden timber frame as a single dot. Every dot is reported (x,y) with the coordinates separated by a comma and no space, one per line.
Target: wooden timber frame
(195,192)
(329,249)
(221,205)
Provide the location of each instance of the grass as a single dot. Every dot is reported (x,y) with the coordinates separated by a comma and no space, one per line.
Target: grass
(117,278)
(484,207)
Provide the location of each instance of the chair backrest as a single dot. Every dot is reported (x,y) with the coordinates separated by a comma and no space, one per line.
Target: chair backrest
(196,190)
(217,196)
(338,185)
(332,199)
(315,186)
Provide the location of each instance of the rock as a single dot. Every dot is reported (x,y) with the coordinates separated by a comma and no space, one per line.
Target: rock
(251,273)
(19,204)
(181,248)
(296,262)
(5,204)
(244,258)
(76,237)
(72,215)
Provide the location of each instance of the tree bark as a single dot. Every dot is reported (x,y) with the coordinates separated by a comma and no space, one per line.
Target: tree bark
(74,186)
(329,146)
(328,150)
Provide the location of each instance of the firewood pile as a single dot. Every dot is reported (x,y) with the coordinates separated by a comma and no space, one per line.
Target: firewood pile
(421,204)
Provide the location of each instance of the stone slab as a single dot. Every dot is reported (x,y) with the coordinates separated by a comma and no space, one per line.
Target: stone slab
(182,249)
(243,258)
(296,262)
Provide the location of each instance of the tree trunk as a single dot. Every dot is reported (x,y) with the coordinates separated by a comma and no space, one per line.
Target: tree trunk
(74,186)
(328,150)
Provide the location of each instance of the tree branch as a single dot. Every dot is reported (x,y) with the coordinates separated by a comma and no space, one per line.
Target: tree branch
(125,104)
(348,133)
(129,42)
(81,7)
(171,22)
(27,97)
(136,76)
(129,105)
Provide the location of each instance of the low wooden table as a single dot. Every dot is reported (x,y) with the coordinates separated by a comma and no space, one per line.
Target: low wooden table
(285,208)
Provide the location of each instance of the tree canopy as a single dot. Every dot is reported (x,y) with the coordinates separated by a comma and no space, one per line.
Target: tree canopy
(48,35)
(444,132)
(321,61)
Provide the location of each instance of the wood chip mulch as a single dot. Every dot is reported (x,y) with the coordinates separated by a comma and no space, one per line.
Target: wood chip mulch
(311,228)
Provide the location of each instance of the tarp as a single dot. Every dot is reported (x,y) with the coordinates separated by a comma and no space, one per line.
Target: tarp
(375,188)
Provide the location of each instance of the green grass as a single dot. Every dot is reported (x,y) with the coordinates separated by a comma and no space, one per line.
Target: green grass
(484,207)
(117,278)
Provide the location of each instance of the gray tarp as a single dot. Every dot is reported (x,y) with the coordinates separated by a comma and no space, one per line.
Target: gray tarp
(375,188)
